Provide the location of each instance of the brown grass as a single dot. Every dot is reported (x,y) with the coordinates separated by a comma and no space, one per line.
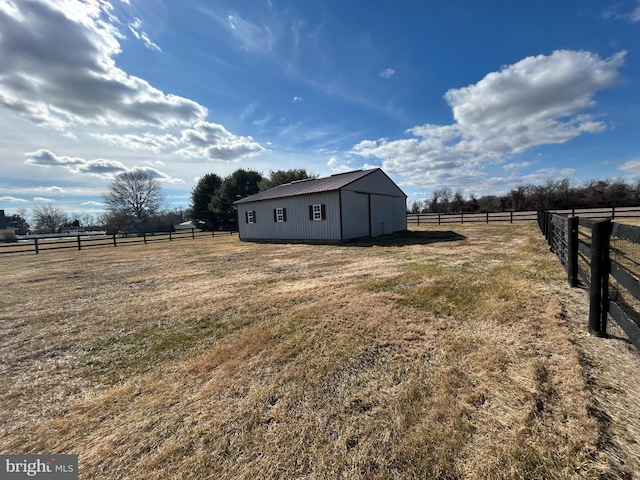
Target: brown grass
(432,355)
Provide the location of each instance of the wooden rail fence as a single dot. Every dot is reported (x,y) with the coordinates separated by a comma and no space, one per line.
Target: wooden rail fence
(517,216)
(605,256)
(81,241)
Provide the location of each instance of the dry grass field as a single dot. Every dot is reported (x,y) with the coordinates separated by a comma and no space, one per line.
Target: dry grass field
(450,352)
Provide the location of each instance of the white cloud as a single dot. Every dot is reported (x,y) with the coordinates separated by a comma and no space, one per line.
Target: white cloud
(297,99)
(147,141)
(210,141)
(537,101)
(42,199)
(136,29)
(12,199)
(101,168)
(57,60)
(387,73)
(253,37)
(53,189)
(92,203)
(515,166)
(631,166)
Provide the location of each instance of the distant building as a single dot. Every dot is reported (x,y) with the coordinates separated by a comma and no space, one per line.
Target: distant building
(3,221)
(186,226)
(362,203)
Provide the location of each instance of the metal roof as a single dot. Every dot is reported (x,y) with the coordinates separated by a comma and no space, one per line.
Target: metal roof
(312,185)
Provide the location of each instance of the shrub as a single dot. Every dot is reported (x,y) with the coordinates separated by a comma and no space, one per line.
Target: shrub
(8,236)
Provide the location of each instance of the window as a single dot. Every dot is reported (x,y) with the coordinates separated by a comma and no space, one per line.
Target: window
(317,212)
(279,215)
(250,216)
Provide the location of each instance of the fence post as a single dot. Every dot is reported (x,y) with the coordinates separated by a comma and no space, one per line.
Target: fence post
(511,217)
(193,234)
(169,235)
(36,245)
(114,240)
(79,244)
(144,237)
(572,250)
(418,219)
(598,293)
(462,218)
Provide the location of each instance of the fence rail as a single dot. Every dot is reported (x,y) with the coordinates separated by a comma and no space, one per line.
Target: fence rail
(605,256)
(79,242)
(517,216)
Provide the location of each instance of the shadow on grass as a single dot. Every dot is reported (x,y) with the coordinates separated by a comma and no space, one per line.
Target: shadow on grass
(406,237)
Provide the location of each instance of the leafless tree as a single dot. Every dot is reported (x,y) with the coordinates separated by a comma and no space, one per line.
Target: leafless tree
(135,194)
(48,219)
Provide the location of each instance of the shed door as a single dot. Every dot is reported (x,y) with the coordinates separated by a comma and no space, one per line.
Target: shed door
(381,215)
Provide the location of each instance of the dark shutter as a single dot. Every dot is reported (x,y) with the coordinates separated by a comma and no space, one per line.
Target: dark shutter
(254,217)
(310,212)
(323,211)
(284,214)
(275,214)
(246,217)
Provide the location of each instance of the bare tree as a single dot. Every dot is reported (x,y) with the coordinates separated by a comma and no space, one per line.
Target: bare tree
(134,194)
(48,219)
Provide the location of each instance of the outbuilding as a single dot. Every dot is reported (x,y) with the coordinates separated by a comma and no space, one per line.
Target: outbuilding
(362,203)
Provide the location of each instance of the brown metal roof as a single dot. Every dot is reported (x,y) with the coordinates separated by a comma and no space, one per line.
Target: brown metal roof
(305,187)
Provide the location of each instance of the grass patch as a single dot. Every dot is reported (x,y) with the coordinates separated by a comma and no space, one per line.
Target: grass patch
(416,356)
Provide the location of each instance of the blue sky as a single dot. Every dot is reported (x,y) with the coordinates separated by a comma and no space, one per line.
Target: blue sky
(474,96)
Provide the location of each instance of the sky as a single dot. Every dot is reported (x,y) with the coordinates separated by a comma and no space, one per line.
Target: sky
(473,96)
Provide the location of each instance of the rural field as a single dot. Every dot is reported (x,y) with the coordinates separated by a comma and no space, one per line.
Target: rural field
(452,351)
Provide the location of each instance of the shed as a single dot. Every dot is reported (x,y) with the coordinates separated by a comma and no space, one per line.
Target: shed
(186,226)
(361,203)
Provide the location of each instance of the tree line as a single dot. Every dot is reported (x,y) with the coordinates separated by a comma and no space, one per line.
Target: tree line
(212,198)
(135,202)
(552,195)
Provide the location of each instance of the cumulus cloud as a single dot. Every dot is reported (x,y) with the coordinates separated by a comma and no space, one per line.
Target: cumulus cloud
(297,99)
(538,101)
(204,140)
(102,168)
(211,141)
(58,69)
(387,73)
(147,141)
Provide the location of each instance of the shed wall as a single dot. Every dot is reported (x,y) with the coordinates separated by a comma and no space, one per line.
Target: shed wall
(355,214)
(376,182)
(298,226)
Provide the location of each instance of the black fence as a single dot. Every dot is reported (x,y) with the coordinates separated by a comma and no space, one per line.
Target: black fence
(82,241)
(440,218)
(605,257)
